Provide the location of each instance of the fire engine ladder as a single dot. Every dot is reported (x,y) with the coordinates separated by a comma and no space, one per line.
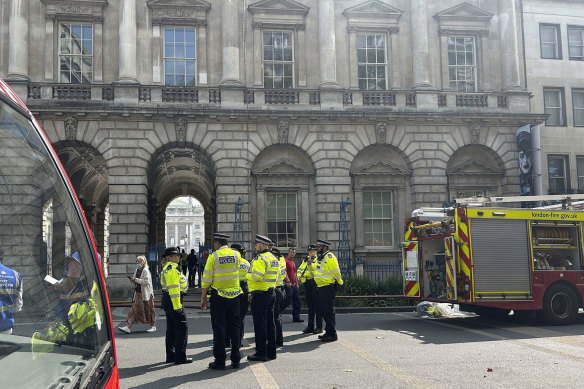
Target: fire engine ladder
(567,201)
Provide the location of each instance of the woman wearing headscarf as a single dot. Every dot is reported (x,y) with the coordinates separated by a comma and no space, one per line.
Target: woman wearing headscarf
(142,310)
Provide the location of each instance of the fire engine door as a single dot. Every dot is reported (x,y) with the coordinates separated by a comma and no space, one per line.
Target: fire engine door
(450,262)
(411,270)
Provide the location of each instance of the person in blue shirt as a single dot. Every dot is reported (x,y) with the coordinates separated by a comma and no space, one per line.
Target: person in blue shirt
(10,297)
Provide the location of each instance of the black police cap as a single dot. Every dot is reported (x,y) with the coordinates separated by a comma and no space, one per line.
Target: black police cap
(321,242)
(263,239)
(170,251)
(311,247)
(219,236)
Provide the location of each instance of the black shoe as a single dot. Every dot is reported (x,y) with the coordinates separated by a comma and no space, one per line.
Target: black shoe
(272,357)
(297,320)
(321,336)
(235,365)
(317,331)
(279,344)
(188,360)
(255,357)
(329,338)
(308,330)
(216,366)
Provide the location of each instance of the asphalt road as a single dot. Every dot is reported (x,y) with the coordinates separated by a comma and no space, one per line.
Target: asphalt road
(375,350)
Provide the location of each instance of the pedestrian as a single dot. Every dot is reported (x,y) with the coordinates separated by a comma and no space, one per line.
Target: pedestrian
(327,276)
(184,264)
(306,276)
(202,263)
(292,293)
(70,292)
(142,310)
(261,280)
(280,295)
(192,265)
(244,267)
(10,297)
(173,283)
(221,275)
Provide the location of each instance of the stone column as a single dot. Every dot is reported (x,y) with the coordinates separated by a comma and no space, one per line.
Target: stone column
(202,53)
(257,54)
(230,37)
(326,40)
(18,40)
(127,32)
(353,68)
(419,38)
(508,31)
(301,55)
(49,42)
(305,207)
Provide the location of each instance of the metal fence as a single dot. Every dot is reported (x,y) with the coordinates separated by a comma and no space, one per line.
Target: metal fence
(382,271)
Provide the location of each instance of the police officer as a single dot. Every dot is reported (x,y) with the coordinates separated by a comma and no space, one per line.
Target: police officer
(306,276)
(244,267)
(221,274)
(280,295)
(173,283)
(10,297)
(327,275)
(261,280)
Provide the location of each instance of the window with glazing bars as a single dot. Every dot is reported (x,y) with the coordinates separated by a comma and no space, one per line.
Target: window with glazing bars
(377,218)
(75,53)
(372,61)
(576,43)
(278,60)
(282,219)
(179,56)
(462,63)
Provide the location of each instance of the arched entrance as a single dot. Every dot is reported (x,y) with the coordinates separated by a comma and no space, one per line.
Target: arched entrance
(87,170)
(185,223)
(177,171)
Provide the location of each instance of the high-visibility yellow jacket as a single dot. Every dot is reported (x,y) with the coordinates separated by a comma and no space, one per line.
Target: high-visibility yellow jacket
(222,272)
(263,273)
(244,267)
(82,315)
(282,274)
(305,271)
(327,272)
(171,282)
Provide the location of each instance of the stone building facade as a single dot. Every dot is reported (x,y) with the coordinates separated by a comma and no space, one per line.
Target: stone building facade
(292,106)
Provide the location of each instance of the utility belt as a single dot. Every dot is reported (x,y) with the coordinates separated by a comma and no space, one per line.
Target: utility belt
(281,287)
(270,291)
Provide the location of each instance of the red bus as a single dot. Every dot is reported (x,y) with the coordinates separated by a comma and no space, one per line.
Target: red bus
(55,322)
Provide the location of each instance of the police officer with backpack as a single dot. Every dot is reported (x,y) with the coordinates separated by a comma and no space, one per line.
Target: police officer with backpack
(10,297)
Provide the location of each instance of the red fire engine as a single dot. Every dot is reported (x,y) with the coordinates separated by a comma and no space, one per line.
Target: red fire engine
(493,260)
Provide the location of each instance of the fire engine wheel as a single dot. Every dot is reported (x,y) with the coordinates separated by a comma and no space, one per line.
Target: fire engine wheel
(560,305)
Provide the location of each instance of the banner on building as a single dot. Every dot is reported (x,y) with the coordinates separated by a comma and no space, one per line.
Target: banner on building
(523,139)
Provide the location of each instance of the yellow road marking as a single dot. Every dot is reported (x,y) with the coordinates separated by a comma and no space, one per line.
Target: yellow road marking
(263,376)
(395,371)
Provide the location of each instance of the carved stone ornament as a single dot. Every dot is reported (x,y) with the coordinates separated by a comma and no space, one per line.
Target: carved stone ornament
(173,11)
(91,9)
(71,127)
(283,130)
(380,132)
(475,132)
(180,126)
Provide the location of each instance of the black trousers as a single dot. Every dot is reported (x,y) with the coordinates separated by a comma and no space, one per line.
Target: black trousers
(262,310)
(176,331)
(326,303)
(292,296)
(311,295)
(192,273)
(243,307)
(280,295)
(225,323)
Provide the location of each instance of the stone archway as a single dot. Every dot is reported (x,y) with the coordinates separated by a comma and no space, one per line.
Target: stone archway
(87,170)
(179,170)
(474,170)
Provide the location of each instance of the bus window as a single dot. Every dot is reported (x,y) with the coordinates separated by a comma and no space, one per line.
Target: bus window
(54,331)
